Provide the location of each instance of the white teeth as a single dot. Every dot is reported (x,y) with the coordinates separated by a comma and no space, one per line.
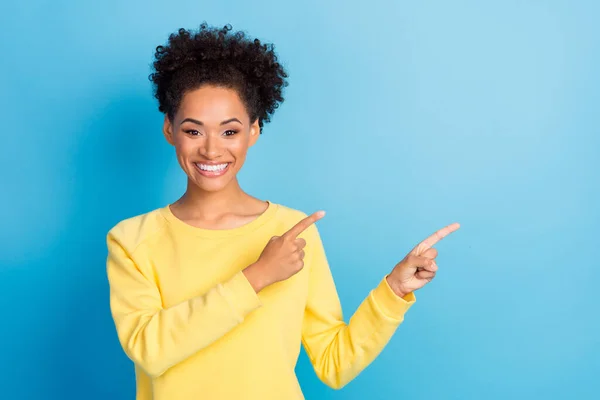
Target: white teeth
(213,168)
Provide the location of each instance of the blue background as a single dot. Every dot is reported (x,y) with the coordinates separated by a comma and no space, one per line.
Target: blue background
(400,118)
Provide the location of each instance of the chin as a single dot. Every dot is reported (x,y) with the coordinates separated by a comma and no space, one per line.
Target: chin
(211,188)
(210,185)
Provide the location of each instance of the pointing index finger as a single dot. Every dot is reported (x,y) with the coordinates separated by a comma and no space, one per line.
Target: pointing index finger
(436,237)
(303,225)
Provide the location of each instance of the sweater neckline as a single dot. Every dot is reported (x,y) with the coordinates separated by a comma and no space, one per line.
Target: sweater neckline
(220,233)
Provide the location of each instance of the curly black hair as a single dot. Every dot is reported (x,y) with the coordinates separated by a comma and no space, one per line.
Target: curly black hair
(214,56)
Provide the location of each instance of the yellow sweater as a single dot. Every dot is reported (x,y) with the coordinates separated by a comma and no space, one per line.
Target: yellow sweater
(195,329)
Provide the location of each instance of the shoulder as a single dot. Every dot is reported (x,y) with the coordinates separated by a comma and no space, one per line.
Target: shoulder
(289,213)
(131,232)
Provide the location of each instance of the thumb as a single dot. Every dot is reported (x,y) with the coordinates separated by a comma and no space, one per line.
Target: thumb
(430,253)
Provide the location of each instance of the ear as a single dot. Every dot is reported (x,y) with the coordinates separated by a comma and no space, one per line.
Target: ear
(254,133)
(168,130)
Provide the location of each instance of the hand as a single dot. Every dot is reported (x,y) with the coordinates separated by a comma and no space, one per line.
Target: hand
(418,268)
(282,257)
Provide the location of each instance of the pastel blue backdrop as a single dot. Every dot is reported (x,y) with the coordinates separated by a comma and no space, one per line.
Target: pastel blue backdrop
(400,118)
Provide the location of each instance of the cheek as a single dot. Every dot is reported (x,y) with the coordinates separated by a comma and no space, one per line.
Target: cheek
(184,146)
(184,151)
(239,147)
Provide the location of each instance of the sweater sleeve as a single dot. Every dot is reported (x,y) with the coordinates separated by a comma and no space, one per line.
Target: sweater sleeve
(157,338)
(340,351)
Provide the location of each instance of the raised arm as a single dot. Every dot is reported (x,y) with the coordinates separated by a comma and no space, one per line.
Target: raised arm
(157,338)
(340,351)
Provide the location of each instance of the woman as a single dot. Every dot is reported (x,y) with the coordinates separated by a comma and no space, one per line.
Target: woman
(212,295)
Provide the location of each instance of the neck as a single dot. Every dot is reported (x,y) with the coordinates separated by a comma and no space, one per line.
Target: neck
(202,204)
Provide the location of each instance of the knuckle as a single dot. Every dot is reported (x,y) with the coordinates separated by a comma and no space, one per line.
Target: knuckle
(297,266)
(416,260)
(288,239)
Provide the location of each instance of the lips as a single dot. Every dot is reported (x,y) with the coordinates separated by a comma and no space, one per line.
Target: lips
(212,173)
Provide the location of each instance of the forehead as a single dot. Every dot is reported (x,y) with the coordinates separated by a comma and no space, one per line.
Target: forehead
(212,104)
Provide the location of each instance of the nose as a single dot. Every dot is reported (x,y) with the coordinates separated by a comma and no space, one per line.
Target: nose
(210,148)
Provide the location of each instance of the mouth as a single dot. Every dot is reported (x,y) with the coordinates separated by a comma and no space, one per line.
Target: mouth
(212,170)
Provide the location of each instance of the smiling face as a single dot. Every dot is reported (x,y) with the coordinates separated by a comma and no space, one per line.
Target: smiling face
(211,133)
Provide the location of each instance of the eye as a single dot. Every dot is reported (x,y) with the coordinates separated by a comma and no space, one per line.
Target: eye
(192,132)
(230,132)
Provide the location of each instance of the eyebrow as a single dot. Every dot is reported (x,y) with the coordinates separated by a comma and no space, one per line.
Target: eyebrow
(195,121)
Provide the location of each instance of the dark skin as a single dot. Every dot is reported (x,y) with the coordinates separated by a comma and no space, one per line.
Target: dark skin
(212,126)
(213,203)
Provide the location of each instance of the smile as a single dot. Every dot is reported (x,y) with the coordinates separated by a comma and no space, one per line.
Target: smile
(212,170)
